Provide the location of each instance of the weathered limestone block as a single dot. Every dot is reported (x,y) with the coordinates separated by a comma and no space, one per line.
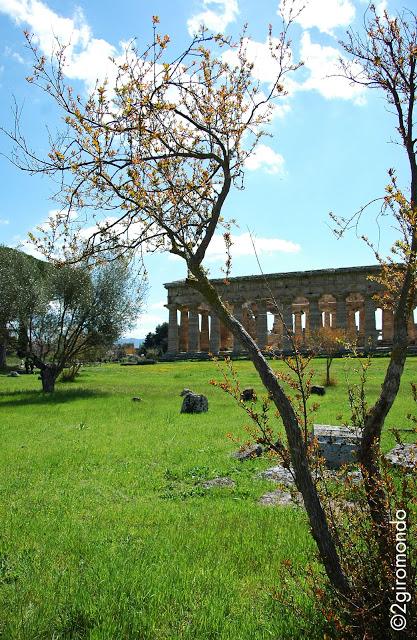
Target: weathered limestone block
(194,403)
(218,482)
(281,498)
(278,474)
(252,451)
(403,455)
(337,445)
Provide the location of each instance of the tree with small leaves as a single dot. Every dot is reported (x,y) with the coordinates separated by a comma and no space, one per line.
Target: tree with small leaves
(20,277)
(328,342)
(75,310)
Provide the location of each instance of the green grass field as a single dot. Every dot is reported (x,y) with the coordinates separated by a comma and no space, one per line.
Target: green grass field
(106,531)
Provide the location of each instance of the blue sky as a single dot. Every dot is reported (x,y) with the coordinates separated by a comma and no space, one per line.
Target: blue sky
(331,143)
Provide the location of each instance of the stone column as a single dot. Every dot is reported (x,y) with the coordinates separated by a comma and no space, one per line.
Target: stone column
(327,319)
(261,325)
(193,332)
(371,335)
(298,327)
(362,324)
(351,324)
(184,330)
(224,337)
(288,328)
(238,314)
(172,330)
(204,334)
(214,334)
(341,322)
(387,325)
(276,337)
(314,315)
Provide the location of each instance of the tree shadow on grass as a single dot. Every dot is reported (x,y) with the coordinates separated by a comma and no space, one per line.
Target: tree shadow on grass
(20,398)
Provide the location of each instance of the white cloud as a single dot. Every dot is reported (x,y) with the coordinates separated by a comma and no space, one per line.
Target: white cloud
(322,62)
(265,69)
(92,63)
(87,57)
(265,66)
(265,158)
(242,246)
(381,7)
(148,322)
(213,20)
(323,14)
(157,305)
(48,25)
(13,54)
(4,221)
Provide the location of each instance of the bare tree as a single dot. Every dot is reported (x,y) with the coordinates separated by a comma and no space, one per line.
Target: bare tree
(329,342)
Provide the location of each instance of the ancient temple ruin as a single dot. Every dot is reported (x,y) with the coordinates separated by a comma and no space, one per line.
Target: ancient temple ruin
(307,300)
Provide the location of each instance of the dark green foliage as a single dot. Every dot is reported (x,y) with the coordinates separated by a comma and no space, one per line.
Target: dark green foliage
(157,340)
(61,314)
(20,278)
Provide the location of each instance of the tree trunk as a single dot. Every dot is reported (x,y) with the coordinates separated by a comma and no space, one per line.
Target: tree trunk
(49,375)
(3,349)
(328,365)
(304,481)
(369,452)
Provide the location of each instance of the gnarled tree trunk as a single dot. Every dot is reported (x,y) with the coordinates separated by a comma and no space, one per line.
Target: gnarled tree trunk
(49,374)
(3,349)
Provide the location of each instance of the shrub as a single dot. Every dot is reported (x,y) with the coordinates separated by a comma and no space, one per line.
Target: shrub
(71,372)
(153,354)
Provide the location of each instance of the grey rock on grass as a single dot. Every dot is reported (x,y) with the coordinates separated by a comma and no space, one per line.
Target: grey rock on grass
(252,451)
(281,498)
(194,403)
(403,455)
(218,482)
(278,474)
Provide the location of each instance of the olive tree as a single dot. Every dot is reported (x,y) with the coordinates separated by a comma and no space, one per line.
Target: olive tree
(20,277)
(76,310)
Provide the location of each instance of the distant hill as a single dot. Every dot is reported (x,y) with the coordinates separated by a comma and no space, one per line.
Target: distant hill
(136,341)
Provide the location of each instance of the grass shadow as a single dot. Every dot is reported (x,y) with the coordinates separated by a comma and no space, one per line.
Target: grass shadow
(21,398)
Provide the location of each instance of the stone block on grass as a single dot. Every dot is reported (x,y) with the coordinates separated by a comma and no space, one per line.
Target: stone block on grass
(337,445)
(194,403)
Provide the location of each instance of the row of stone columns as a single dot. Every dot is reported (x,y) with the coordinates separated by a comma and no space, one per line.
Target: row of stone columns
(213,336)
